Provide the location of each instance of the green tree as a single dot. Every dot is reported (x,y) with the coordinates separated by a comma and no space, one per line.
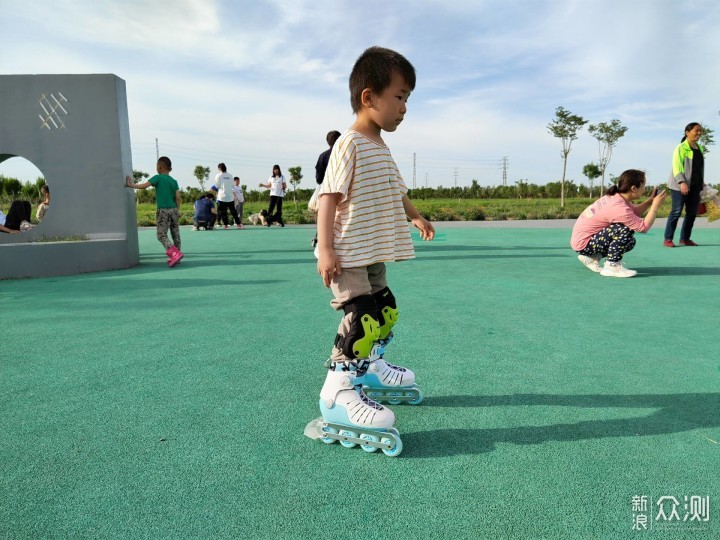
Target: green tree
(202,174)
(706,139)
(139,175)
(565,127)
(591,171)
(295,177)
(30,192)
(607,136)
(12,187)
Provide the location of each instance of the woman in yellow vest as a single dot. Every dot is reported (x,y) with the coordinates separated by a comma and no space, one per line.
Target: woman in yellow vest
(685,184)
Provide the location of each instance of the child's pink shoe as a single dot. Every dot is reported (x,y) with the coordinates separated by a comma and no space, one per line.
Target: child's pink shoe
(174,256)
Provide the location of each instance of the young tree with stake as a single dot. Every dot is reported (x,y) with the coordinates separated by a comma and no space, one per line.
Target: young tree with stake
(565,127)
(607,136)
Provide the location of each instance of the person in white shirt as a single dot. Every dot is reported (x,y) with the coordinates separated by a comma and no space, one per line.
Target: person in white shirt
(225,196)
(238,200)
(277,186)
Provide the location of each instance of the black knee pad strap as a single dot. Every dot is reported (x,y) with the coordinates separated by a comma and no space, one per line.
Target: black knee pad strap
(387,311)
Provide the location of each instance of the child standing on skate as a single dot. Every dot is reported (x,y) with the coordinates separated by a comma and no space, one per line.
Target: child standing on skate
(168,208)
(362,223)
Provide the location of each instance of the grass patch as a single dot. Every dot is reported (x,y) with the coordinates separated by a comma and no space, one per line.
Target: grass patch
(432,209)
(71,238)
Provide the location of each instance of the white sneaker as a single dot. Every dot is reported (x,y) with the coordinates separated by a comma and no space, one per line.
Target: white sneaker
(593,263)
(616,270)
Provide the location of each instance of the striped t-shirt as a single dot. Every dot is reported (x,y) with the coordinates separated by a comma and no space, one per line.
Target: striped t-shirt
(370,222)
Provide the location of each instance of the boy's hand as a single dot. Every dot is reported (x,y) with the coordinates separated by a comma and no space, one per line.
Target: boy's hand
(128,181)
(427,231)
(328,265)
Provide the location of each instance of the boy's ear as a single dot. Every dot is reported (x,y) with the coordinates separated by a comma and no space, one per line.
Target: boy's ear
(366,98)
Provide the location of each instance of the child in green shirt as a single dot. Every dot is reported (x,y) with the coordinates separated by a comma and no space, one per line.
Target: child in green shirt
(168,208)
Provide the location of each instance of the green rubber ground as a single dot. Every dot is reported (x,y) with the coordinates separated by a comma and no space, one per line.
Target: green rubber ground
(170,403)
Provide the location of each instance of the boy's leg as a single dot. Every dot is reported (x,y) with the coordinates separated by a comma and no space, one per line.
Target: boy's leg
(162,218)
(233,211)
(239,209)
(352,292)
(344,407)
(174,216)
(385,381)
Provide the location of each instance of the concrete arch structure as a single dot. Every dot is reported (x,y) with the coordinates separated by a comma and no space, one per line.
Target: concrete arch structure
(74,128)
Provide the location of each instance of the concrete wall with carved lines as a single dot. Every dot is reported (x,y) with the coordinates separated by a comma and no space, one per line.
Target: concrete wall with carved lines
(74,129)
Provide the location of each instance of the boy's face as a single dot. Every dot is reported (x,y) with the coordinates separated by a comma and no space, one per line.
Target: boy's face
(389,107)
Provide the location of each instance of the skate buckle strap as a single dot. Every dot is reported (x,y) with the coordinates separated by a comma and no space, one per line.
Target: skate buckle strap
(344,382)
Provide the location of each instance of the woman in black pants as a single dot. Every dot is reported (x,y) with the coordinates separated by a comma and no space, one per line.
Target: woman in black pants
(277,186)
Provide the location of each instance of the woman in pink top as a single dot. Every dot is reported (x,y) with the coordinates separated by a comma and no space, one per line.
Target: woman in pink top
(607,227)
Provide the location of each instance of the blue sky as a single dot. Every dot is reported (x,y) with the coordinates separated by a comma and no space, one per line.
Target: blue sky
(254,83)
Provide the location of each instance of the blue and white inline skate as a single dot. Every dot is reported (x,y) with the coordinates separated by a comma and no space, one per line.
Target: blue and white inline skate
(389,383)
(350,417)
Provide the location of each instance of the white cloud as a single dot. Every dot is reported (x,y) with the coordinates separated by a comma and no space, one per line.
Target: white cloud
(263,81)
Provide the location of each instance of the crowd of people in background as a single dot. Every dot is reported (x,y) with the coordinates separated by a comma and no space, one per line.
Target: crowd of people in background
(605,230)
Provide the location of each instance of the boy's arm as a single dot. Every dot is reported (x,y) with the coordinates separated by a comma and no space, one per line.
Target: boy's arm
(328,263)
(427,231)
(129,183)
(178,200)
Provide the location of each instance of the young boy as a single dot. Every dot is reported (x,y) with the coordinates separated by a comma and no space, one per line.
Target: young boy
(168,207)
(239,201)
(362,223)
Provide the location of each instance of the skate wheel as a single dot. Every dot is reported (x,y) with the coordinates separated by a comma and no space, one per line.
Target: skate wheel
(377,396)
(368,447)
(348,444)
(392,398)
(395,451)
(394,431)
(328,429)
(417,400)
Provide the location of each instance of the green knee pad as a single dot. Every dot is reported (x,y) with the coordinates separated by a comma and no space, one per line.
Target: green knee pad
(364,328)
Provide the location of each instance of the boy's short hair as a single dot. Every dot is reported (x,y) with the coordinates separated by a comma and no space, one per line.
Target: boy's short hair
(236,178)
(222,167)
(166,161)
(374,70)
(44,189)
(332,137)
(210,195)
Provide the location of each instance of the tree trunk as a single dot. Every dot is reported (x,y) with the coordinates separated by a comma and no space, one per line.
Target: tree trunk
(562,183)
